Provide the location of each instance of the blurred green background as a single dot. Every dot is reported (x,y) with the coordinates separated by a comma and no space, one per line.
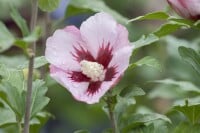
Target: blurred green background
(69,114)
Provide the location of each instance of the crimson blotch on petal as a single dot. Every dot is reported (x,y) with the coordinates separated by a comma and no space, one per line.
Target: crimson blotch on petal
(90,61)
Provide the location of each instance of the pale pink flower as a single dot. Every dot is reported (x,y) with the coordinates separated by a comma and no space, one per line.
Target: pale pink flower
(189,9)
(89,61)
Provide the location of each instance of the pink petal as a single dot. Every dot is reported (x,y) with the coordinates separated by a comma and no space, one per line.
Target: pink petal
(72,29)
(120,62)
(77,89)
(122,39)
(82,91)
(60,46)
(95,97)
(103,29)
(180,8)
(189,9)
(194,8)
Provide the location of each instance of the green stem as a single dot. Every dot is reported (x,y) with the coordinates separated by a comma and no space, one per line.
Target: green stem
(31,52)
(111,114)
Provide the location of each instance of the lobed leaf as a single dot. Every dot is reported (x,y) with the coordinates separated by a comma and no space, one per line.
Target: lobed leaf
(13,98)
(39,100)
(13,76)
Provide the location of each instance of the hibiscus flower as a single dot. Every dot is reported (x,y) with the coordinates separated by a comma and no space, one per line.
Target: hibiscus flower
(90,61)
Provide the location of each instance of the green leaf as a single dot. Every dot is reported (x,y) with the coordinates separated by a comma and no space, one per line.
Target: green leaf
(73,11)
(21,22)
(14,98)
(39,100)
(121,106)
(34,36)
(132,91)
(15,101)
(166,92)
(136,120)
(7,117)
(81,131)
(82,6)
(190,56)
(197,24)
(152,16)
(38,121)
(181,21)
(167,28)
(147,61)
(186,127)
(190,110)
(38,62)
(6,38)
(24,42)
(12,61)
(163,30)
(5,7)
(126,100)
(145,40)
(183,85)
(13,76)
(155,127)
(48,5)
(21,44)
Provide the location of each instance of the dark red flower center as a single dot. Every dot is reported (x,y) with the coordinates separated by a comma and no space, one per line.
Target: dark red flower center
(104,57)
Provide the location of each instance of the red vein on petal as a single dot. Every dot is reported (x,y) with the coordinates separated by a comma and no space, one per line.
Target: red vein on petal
(82,54)
(105,55)
(94,87)
(78,77)
(110,73)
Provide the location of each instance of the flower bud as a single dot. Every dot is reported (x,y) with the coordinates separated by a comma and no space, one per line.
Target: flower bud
(189,9)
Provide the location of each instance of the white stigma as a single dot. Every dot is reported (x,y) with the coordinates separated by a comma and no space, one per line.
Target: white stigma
(93,70)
